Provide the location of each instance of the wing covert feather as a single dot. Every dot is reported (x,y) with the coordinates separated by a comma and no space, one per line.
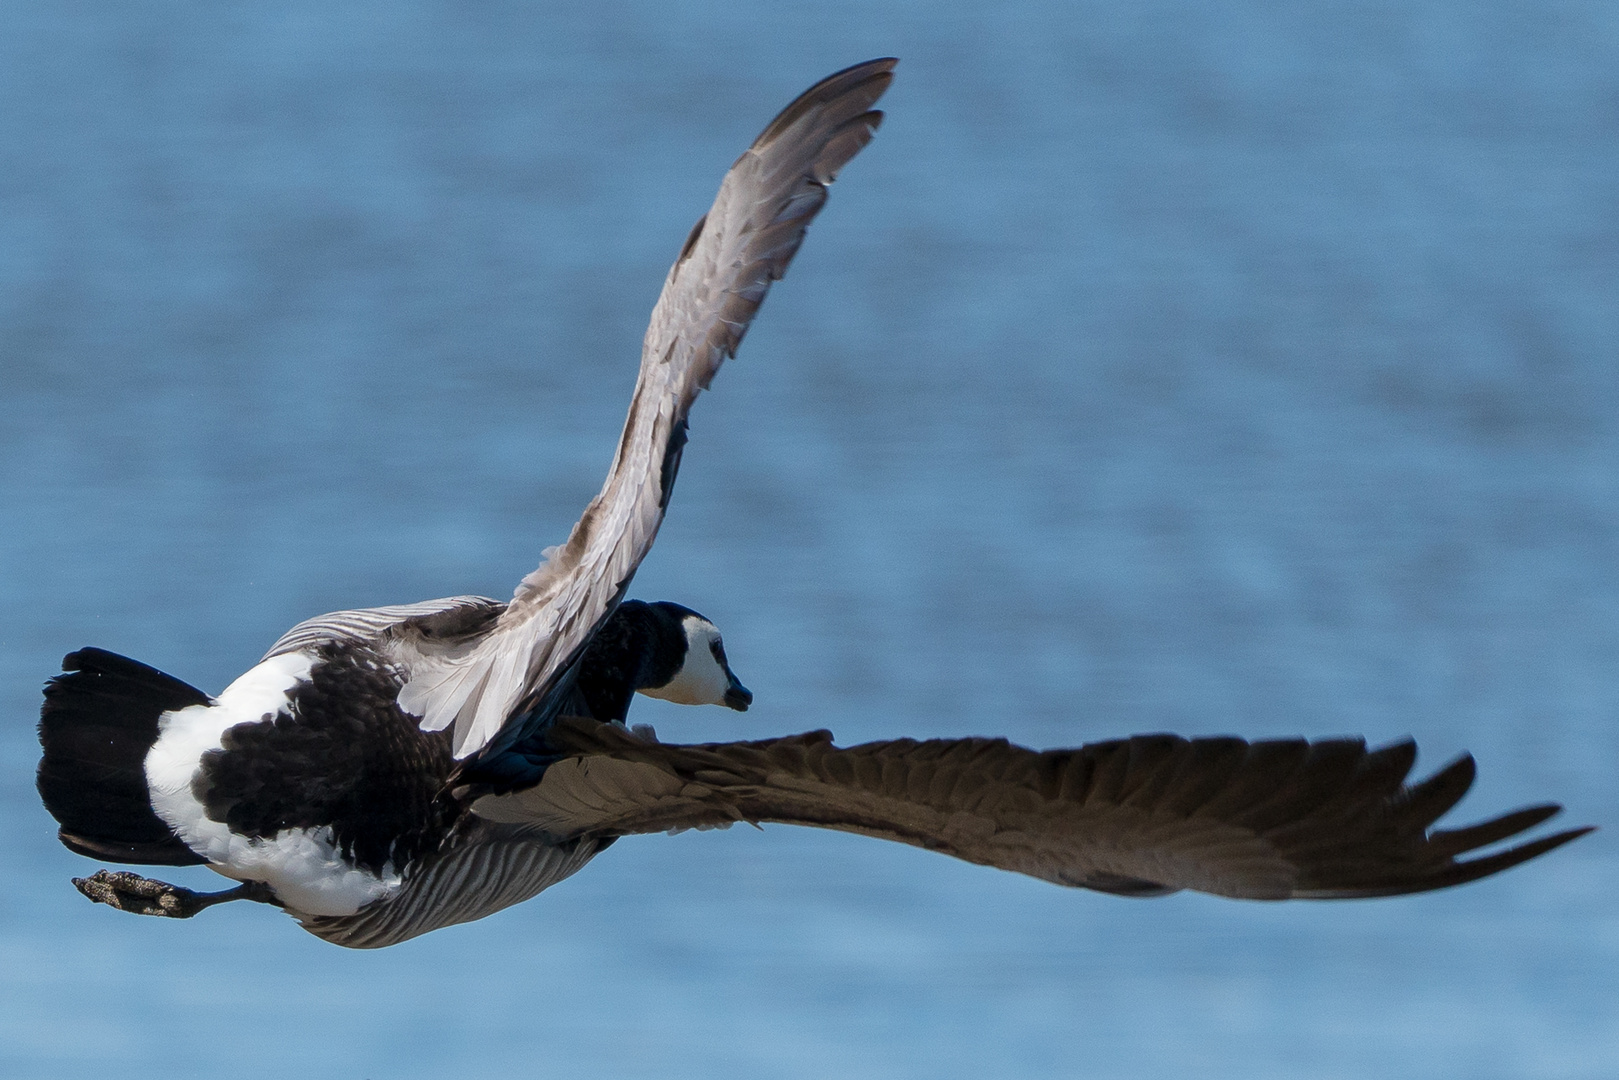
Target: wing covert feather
(450,617)
(742,245)
(1143,816)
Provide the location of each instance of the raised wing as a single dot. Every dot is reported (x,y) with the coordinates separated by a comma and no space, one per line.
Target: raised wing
(1142,816)
(734,252)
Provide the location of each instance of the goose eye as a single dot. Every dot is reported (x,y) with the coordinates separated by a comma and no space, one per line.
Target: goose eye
(718,649)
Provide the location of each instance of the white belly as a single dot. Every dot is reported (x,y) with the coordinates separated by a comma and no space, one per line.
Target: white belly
(302,866)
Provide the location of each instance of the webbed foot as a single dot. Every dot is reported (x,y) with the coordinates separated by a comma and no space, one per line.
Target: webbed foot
(145,896)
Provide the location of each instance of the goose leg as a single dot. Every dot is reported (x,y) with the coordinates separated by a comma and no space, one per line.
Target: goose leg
(144,896)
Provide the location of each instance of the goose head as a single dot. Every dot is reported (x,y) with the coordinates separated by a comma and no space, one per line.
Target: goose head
(689,666)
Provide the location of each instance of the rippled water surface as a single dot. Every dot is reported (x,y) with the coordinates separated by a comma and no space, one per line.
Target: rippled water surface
(1223,367)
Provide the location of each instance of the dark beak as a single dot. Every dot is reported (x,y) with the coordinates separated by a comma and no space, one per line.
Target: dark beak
(737,696)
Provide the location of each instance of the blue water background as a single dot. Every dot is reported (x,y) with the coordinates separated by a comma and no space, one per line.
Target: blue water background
(1228,367)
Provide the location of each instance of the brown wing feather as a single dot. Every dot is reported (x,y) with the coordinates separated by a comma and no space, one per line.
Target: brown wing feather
(1266,820)
(740,247)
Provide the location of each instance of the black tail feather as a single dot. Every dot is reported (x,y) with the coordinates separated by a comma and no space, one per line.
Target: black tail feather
(99,720)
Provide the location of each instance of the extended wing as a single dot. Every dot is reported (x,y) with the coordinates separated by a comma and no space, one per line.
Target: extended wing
(735,251)
(1142,816)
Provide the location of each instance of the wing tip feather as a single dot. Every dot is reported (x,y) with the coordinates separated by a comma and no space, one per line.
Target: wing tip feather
(877,73)
(1453,874)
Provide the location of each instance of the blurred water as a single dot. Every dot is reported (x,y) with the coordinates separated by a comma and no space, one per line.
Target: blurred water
(1212,368)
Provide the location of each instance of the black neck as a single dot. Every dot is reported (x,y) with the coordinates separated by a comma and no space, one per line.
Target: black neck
(640,646)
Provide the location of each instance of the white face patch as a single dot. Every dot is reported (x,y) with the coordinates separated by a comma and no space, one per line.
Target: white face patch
(701,679)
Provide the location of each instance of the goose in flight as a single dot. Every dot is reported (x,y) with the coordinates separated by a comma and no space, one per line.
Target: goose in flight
(384,772)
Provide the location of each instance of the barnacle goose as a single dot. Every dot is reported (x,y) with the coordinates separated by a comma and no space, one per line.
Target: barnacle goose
(385,772)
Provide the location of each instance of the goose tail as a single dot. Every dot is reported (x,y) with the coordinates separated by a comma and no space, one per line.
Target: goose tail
(99,719)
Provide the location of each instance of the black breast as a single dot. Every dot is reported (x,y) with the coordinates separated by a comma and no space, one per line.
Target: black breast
(342,754)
